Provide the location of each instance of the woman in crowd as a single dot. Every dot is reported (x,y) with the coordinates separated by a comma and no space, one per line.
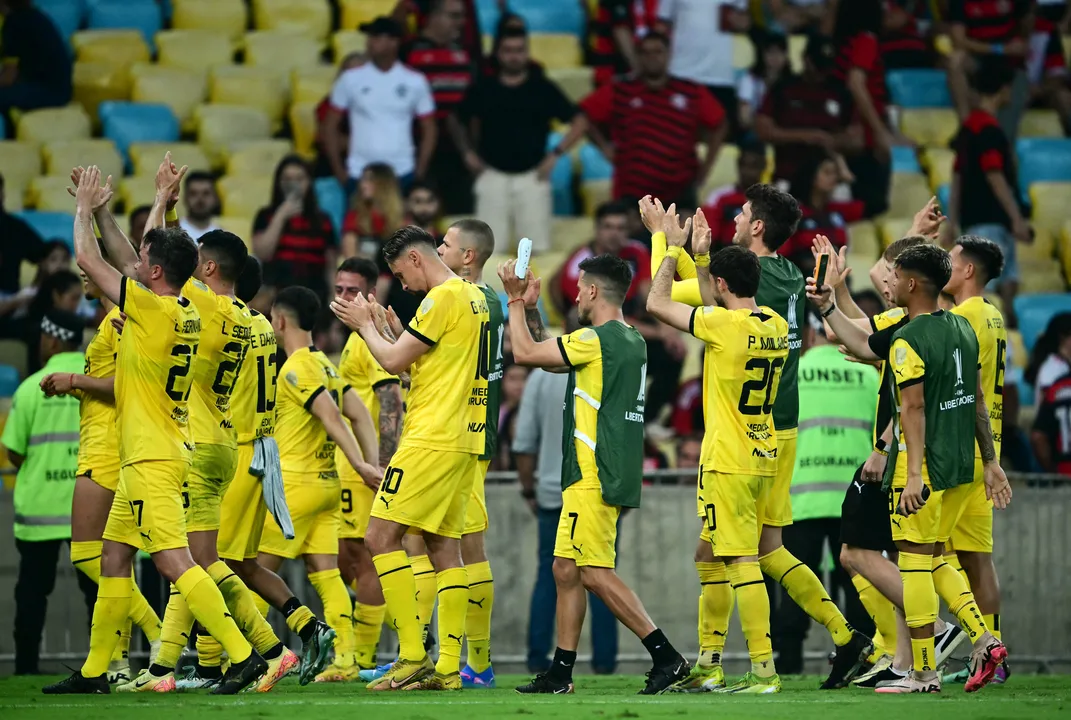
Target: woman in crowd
(822,215)
(1051,356)
(376,211)
(771,64)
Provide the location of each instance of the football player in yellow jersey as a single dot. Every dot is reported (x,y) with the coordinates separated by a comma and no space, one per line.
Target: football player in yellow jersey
(427,486)
(152,390)
(747,346)
(381,393)
(976,261)
(308,425)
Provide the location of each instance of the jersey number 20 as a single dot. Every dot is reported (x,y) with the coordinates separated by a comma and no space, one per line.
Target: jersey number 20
(765,384)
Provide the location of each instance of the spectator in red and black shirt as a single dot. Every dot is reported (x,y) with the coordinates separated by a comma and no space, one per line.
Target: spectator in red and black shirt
(806,116)
(860,70)
(414,14)
(985,197)
(813,188)
(613,32)
(292,236)
(902,41)
(1046,66)
(980,28)
(1051,435)
(654,123)
(450,69)
(723,205)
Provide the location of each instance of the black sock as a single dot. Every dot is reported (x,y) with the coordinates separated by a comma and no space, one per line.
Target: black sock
(662,652)
(159,670)
(561,670)
(209,672)
(290,606)
(275,651)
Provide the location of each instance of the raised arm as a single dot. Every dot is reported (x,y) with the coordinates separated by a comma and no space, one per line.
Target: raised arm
(660,301)
(168,181)
(325,409)
(852,335)
(361,421)
(121,252)
(527,350)
(90,196)
(688,289)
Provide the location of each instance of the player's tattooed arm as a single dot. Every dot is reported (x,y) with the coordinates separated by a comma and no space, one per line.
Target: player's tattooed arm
(983,431)
(390,419)
(534,320)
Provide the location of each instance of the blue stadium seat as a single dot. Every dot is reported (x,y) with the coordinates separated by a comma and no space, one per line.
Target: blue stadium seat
(332,200)
(125,123)
(561,180)
(65,14)
(9,381)
(51,225)
(542,16)
(944,194)
(918,88)
(904,160)
(593,164)
(141,15)
(1043,160)
(1035,311)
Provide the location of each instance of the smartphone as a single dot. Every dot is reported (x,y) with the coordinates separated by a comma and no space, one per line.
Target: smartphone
(925,497)
(820,270)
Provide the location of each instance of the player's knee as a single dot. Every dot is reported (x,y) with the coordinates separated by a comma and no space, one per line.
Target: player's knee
(566,573)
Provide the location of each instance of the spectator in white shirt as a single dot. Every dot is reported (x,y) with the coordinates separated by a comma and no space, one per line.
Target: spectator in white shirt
(1051,356)
(382,98)
(201,202)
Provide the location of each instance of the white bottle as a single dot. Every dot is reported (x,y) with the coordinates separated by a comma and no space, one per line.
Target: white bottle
(524,255)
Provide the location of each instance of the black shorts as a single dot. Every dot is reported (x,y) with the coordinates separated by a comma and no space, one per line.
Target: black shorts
(864,516)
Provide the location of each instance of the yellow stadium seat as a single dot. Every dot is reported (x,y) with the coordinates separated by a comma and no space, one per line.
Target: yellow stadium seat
(723,173)
(311,17)
(355,12)
(244,196)
(1043,276)
(13,353)
(930,127)
(568,233)
(312,84)
(1041,251)
(146,157)
(892,229)
(199,50)
(281,49)
(577,83)
(221,126)
(860,266)
(938,163)
(115,47)
(240,226)
(910,192)
(594,193)
(20,162)
(346,42)
(137,190)
(863,240)
(1052,203)
(49,193)
(303,125)
(229,17)
(257,158)
(181,89)
(555,50)
(1063,250)
(1041,123)
(62,155)
(65,123)
(743,51)
(95,83)
(797,44)
(255,87)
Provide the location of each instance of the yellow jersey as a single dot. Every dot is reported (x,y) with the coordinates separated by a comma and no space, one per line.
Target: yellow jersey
(741,370)
(361,371)
(253,399)
(152,374)
(446,408)
(304,446)
(96,430)
(988,325)
(225,333)
(893,317)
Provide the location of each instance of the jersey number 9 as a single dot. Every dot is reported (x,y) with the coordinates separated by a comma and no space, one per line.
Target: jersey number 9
(770,369)
(178,382)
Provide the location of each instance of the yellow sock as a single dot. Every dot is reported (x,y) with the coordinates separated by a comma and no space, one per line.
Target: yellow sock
(367,627)
(263,608)
(881,611)
(175,633)
(715,608)
(338,612)
(142,615)
(122,649)
(453,587)
(424,577)
(953,560)
(206,603)
(85,556)
(993,623)
(807,590)
(209,651)
(478,620)
(399,593)
(959,598)
(754,606)
(920,606)
(243,607)
(110,614)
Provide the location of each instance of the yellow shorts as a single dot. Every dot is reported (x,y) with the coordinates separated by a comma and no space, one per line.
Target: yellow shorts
(428,490)
(924,526)
(211,472)
(314,510)
(778,511)
(101,469)
(147,511)
(587,529)
(356,499)
(476,512)
(242,512)
(974,531)
(735,506)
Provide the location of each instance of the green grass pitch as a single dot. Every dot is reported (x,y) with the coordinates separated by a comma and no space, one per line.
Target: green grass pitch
(597,697)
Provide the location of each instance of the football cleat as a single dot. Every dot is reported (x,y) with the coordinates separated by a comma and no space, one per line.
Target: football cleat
(147,682)
(543,684)
(911,683)
(472,680)
(437,683)
(77,684)
(752,684)
(403,673)
(278,668)
(849,659)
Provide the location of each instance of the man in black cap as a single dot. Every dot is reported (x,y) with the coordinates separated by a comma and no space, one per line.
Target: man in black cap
(805,114)
(382,98)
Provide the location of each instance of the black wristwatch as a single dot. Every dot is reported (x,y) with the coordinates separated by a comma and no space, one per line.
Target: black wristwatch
(827,313)
(881,446)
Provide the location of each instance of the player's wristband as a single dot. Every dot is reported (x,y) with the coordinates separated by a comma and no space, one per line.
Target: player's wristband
(674,252)
(998,48)
(510,302)
(528,493)
(880,446)
(171,215)
(827,313)
(702,259)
